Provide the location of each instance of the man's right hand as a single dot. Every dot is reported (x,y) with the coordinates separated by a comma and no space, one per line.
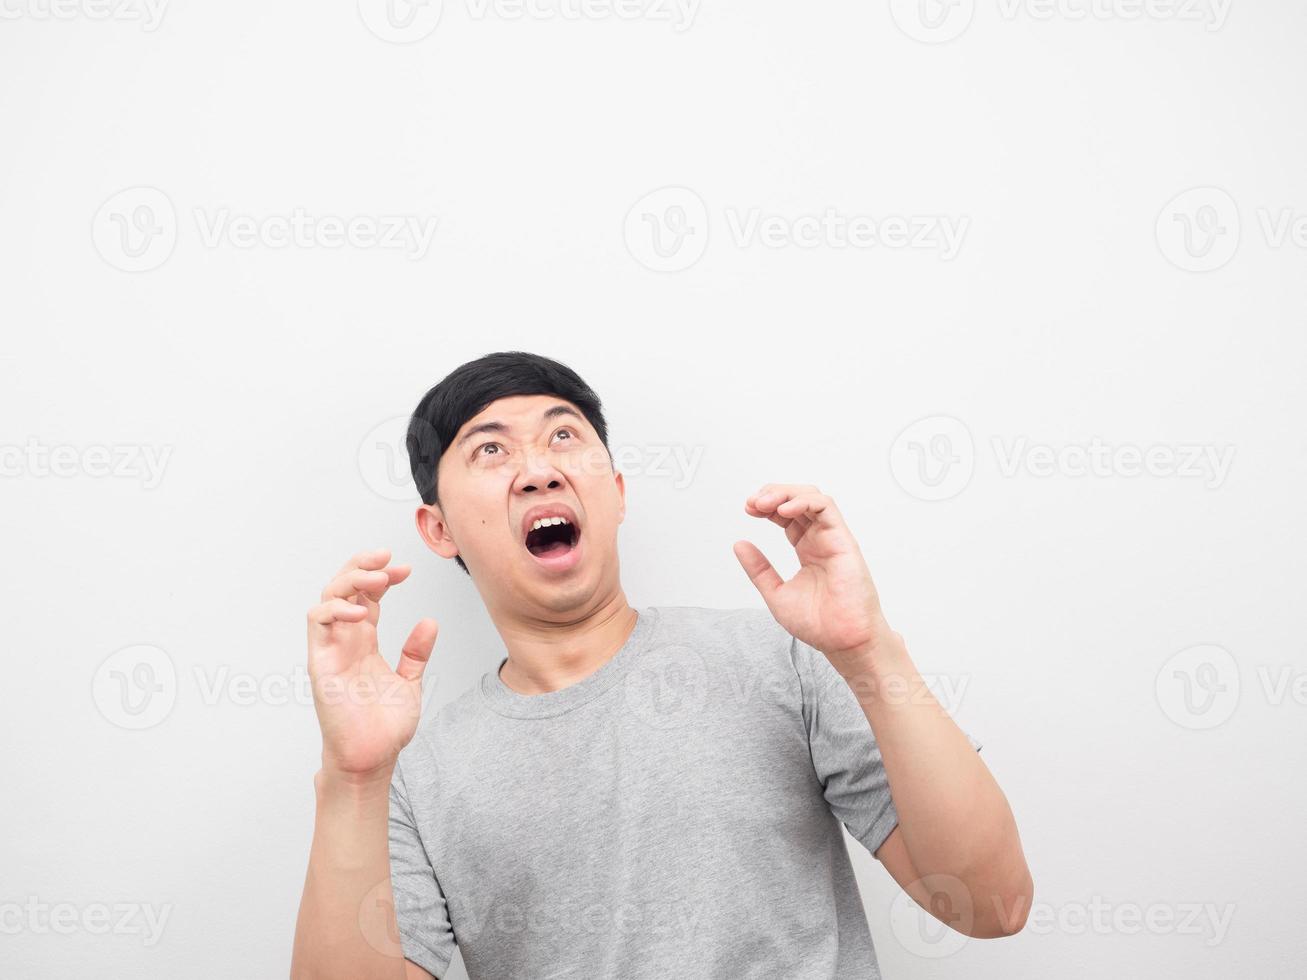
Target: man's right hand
(366,710)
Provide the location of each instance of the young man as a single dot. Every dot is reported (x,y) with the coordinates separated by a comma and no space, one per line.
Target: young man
(634,792)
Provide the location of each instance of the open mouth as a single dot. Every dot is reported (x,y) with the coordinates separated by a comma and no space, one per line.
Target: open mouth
(554,538)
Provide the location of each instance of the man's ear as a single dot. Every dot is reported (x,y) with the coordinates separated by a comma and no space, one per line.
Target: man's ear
(431,525)
(621,495)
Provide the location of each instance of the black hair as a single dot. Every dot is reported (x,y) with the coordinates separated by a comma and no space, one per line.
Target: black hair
(469,388)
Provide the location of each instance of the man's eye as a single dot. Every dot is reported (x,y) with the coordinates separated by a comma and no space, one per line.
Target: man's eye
(487,445)
(566,432)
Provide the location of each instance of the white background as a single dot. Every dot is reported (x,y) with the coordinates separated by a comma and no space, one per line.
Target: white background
(1076,310)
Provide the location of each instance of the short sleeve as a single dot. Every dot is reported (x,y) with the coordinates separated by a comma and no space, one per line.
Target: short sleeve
(845,756)
(425,933)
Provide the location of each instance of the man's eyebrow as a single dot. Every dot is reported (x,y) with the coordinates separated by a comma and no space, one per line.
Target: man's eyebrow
(553,411)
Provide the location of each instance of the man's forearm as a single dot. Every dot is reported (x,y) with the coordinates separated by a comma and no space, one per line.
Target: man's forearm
(346,926)
(953,817)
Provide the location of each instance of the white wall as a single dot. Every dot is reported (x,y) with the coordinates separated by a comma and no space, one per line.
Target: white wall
(1071,310)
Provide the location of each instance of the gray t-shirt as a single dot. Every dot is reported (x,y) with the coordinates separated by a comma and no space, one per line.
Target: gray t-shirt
(677,813)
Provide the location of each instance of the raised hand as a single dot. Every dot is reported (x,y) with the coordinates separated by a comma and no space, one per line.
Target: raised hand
(366,710)
(831,603)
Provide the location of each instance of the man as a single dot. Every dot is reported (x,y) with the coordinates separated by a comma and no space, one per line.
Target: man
(634,792)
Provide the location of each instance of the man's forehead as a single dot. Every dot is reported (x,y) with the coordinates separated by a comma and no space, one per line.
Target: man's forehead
(523,410)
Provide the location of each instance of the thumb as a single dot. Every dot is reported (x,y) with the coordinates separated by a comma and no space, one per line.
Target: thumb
(417,650)
(759,569)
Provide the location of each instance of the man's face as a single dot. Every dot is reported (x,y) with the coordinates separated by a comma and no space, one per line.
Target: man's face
(519,458)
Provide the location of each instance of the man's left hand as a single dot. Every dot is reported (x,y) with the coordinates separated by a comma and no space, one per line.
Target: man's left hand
(831,603)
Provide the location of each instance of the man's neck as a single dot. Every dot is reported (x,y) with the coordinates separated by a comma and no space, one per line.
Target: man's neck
(544,657)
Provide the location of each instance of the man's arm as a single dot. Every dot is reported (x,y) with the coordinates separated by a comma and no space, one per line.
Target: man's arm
(956,833)
(347,927)
(955,850)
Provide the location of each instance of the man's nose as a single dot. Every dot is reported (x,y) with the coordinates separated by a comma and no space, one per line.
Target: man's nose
(538,473)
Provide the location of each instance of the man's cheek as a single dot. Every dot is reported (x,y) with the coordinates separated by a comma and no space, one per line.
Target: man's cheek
(591,462)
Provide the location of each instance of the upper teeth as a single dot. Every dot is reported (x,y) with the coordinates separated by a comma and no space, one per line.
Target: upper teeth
(548,521)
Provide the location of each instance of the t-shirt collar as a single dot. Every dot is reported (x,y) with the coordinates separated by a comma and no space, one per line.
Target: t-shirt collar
(503,700)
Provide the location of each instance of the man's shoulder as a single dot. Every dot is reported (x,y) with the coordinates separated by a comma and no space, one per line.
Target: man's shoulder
(455,722)
(714,613)
(737,632)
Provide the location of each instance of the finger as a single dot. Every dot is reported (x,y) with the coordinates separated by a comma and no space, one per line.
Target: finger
(810,511)
(357,582)
(760,571)
(772,495)
(394,574)
(417,650)
(816,507)
(368,584)
(766,503)
(374,559)
(336,611)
